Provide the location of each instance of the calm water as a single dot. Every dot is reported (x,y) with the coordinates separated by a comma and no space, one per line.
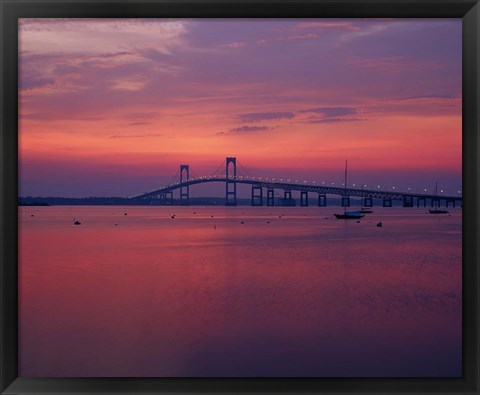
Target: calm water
(300,295)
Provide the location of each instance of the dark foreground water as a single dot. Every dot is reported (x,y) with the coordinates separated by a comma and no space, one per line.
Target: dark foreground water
(300,295)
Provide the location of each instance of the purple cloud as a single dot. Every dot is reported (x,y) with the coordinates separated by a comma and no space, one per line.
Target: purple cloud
(245,129)
(329,112)
(30,83)
(265,116)
(332,120)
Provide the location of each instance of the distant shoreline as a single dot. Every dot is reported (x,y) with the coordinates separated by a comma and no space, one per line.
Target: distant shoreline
(197,201)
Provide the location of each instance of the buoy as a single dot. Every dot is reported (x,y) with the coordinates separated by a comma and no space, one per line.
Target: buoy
(358,222)
(379,224)
(125,214)
(75,222)
(242,222)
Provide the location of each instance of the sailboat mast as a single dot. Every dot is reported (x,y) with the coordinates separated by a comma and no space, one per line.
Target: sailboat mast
(345,189)
(346,162)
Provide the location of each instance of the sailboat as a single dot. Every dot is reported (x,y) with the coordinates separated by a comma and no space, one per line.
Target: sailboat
(348,214)
(436,209)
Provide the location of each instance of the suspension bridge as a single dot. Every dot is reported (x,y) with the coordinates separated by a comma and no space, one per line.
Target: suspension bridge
(229,176)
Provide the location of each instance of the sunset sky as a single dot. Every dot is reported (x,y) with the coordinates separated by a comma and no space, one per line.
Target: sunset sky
(112,107)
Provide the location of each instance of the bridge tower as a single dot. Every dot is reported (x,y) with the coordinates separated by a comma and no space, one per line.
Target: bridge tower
(231,182)
(184,190)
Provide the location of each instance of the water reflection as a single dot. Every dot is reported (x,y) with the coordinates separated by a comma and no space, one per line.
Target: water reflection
(290,292)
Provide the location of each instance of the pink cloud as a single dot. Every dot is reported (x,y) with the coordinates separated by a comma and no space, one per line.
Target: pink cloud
(236,44)
(328,25)
(395,64)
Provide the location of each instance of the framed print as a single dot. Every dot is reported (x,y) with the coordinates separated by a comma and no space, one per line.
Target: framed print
(235,197)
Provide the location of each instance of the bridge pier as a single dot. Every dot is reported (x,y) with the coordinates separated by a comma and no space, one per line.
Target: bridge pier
(367,201)
(387,202)
(184,190)
(322,200)
(408,201)
(423,200)
(287,198)
(448,201)
(345,201)
(270,197)
(165,198)
(231,183)
(435,202)
(257,199)
(303,198)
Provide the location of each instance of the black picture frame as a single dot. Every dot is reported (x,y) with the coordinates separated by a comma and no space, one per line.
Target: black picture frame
(11,10)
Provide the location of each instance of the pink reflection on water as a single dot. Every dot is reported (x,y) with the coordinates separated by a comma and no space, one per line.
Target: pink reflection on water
(299,295)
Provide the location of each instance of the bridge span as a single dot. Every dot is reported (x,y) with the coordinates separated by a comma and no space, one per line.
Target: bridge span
(258,184)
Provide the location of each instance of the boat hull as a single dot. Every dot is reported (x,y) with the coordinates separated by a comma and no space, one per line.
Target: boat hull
(349,216)
(438,211)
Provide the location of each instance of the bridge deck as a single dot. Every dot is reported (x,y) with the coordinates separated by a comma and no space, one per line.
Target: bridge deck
(293,186)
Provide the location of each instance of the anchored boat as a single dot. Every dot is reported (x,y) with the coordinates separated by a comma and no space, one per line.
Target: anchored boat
(348,214)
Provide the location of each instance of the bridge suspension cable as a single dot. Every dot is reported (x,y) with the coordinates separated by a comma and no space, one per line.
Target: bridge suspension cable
(243,169)
(193,173)
(174,178)
(220,168)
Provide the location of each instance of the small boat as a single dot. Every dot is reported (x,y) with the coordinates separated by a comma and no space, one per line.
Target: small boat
(365,210)
(436,209)
(76,222)
(380,224)
(348,214)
